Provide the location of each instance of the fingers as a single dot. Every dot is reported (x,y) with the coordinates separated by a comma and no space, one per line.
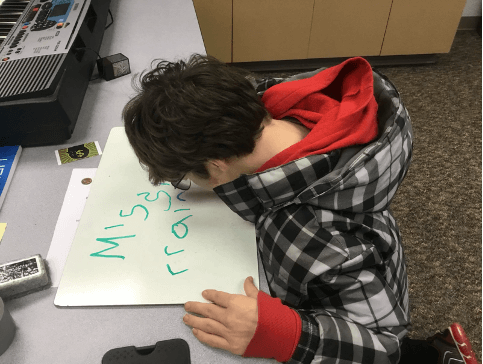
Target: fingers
(206,325)
(208,331)
(212,340)
(229,322)
(250,289)
(223,299)
(220,298)
(209,310)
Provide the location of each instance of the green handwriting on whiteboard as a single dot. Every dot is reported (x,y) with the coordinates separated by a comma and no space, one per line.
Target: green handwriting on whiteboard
(180,222)
(174,227)
(115,245)
(132,211)
(110,227)
(173,273)
(168,254)
(157,196)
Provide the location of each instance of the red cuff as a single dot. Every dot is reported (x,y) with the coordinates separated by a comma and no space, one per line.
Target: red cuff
(278,330)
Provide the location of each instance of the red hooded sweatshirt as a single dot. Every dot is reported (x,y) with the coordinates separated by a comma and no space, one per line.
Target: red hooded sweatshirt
(338,106)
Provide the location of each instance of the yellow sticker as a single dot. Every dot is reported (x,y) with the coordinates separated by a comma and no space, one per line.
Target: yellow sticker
(3,226)
(77,152)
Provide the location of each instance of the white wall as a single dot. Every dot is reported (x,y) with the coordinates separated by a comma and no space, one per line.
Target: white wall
(472,8)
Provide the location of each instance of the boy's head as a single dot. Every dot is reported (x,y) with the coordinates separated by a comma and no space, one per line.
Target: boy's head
(186,114)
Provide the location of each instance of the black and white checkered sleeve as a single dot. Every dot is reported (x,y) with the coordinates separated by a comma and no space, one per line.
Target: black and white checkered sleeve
(331,338)
(357,315)
(350,295)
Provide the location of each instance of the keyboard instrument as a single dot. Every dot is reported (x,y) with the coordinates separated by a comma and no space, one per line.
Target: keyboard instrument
(47,57)
(10,12)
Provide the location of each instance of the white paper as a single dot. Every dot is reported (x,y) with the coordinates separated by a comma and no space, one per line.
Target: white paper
(69,217)
(139,244)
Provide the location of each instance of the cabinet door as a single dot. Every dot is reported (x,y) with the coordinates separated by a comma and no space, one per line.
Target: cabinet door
(422,27)
(214,19)
(267,30)
(348,28)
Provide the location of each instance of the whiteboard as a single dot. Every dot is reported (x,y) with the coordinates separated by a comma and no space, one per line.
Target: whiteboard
(137,244)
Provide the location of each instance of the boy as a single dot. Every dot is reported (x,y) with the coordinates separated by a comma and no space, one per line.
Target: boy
(313,161)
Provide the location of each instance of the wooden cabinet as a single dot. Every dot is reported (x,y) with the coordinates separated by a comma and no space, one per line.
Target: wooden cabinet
(422,27)
(267,30)
(345,28)
(271,30)
(215,21)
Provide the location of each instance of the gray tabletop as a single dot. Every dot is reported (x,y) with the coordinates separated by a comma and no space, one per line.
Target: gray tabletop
(142,31)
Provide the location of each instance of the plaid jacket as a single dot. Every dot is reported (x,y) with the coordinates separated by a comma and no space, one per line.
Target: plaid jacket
(329,244)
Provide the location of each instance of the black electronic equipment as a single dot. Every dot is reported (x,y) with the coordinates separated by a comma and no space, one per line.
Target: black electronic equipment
(46,62)
(114,66)
(172,351)
(10,12)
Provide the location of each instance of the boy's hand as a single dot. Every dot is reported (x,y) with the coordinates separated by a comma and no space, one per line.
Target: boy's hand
(229,322)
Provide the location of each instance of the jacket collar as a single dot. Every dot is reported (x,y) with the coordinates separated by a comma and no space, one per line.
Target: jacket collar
(250,195)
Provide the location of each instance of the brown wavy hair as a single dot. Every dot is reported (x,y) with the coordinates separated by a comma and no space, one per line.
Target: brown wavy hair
(187,113)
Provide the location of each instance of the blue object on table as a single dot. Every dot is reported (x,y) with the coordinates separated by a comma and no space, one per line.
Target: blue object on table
(8,162)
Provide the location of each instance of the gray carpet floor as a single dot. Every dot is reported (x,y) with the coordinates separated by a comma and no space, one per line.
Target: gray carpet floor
(438,207)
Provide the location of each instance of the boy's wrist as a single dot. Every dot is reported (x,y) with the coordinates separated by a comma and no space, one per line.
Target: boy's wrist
(278,330)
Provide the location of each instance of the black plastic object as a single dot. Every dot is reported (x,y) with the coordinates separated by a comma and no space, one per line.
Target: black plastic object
(41,97)
(114,66)
(174,351)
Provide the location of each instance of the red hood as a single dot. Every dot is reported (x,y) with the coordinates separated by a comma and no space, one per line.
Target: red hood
(337,104)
